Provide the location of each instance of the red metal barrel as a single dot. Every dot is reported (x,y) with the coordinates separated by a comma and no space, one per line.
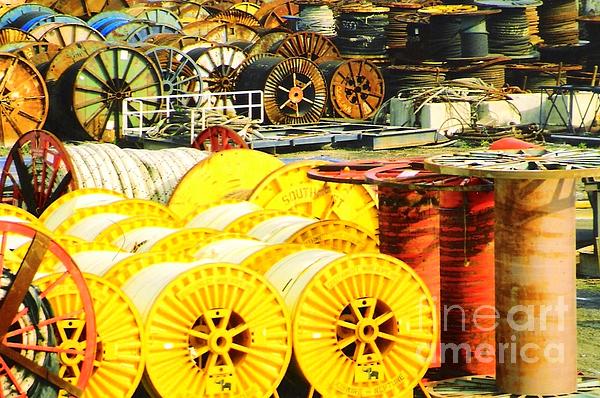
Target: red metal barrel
(467,279)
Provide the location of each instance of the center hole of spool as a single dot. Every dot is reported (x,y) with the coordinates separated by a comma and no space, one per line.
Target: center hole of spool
(368,328)
(368,331)
(219,340)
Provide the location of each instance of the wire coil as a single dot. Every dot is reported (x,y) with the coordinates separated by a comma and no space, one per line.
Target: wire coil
(316,18)
(362,32)
(509,33)
(558,22)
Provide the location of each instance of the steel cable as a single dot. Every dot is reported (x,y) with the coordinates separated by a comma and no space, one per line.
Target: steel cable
(509,33)
(558,22)
(361,33)
(316,18)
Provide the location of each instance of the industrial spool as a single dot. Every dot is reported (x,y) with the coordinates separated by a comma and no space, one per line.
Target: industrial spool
(533,76)
(272,14)
(592,27)
(55,169)
(217,139)
(396,32)
(288,188)
(247,7)
(548,186)
(24,99)
(235,16)
(228,174)
(509,32)
(361,30)
(310,45)
(180,74)
(266,41)
(11,13)
(159,15)
(228,32)
(63,34)
(558,22)
(467,261)
(38,53)
(315,17)
(89,223)
(62,208)
(219,216)
(130,234)
(96,87)
(404,78)
(119,362)
(13,35)
(456,31)
(294,88)
(217,67)
(31,20)
(138,31)
(231,336)
(356,87)
(43,350)
(338,235)
(364,331)
(491,70)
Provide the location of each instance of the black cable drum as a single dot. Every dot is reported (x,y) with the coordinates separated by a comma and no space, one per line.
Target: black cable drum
(361,31)
(253,76)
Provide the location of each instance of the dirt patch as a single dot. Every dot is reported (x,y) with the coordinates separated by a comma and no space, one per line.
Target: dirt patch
(588,326)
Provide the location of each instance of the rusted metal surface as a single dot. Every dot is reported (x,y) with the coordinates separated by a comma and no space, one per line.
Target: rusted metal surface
(356,87)
(312,46)
(37,171)
(534,262)
(271,14)
(467,280)
(535,284)
(230,31)
(236,16)
(23,98)
(38,53)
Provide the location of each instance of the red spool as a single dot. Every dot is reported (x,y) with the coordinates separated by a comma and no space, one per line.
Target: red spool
(467,272)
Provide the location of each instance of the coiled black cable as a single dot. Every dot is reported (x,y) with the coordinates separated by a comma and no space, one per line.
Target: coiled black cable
(361,33)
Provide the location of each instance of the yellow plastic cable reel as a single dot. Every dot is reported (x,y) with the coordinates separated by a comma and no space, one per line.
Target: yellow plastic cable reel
(183,240)
(67,204)
(248,221)
(339,235)
(120,355)
(89,256)
(214,330)
(220,216)
(363,324)
(132,233)
(223,174)
(192,247)
(262,260)
(121,271)
(288,188)
(18,213)
(231,250)
(88,222)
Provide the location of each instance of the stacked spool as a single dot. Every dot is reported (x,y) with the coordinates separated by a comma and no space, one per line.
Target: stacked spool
(536,75)
(316,17)
(143,174)
(509,31)
(397,29)
(558,22)
(399,78)
(362,31)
